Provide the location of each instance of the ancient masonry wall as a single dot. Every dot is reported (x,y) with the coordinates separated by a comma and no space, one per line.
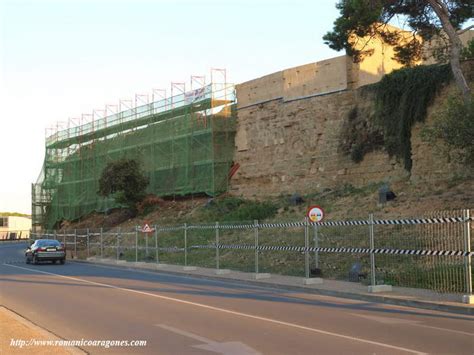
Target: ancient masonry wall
(288,135)
(287,147)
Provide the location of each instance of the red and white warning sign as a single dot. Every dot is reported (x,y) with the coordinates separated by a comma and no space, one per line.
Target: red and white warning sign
(315,214)
(147,229)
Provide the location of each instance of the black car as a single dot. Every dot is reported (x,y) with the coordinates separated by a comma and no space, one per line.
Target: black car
(45,250)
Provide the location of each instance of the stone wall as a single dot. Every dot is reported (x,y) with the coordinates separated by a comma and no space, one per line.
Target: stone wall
(293,146)
(311,79)
(289,129)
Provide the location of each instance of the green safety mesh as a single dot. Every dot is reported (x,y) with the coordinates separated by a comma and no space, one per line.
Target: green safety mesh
(184,144)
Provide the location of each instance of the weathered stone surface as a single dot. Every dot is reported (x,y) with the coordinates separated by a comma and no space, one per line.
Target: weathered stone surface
(288,144)
(296,148)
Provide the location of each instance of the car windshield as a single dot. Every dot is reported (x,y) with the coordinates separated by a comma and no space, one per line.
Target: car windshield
(47,243)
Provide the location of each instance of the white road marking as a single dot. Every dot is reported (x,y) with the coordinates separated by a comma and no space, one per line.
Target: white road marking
(223,310)
(390,320)
(226,348)
(185,333)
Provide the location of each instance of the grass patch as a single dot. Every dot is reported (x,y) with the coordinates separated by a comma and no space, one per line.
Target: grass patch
(234,209)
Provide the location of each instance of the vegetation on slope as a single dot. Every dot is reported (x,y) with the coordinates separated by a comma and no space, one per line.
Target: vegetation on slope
(401,99)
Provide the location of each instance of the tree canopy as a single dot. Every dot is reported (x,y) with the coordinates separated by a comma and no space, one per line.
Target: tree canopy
(426,20)
(124,180)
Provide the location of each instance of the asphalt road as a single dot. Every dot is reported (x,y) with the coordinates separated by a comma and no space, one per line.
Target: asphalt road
(186,315)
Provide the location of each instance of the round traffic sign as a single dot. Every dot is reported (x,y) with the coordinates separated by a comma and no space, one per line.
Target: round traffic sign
(315,214)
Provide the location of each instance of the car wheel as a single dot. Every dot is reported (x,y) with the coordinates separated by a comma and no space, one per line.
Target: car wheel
(62,261)
(35,260)
(27,260)
(53,261)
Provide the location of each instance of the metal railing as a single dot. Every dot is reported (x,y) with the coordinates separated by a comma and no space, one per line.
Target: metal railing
(217,91)
(431,253)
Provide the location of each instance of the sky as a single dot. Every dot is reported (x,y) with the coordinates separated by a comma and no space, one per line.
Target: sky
(62,58)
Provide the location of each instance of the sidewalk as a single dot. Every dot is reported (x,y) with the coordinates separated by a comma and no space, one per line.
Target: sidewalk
(15,327)
(410,297)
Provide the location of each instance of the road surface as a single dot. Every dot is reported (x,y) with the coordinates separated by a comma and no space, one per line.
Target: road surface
(186,315)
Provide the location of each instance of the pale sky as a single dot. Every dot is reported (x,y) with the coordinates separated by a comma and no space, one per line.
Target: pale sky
(62,58)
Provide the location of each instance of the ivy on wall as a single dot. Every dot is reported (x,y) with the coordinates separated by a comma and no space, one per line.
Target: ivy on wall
(359,134)
(401,99)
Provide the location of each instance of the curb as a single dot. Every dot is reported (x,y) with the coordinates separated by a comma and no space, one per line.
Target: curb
(42,331)
(436,306)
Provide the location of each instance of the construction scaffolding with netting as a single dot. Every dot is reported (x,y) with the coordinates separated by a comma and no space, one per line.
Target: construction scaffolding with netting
(184,143)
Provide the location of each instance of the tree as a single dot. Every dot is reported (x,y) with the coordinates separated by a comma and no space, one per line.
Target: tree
(123,180)
(427,19)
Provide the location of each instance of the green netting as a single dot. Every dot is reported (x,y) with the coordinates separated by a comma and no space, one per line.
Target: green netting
(185,145)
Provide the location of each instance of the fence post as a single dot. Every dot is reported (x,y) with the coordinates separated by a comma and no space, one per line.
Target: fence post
(316,246)
(255,223)
(306,246)
(185,244)
(75,243)
(55,234)
(147,235)
(136,244)
(156,244)
(467,259)
(64,239)
(372,246)
(118,243)
(101,242)
(87,231)
(217,246)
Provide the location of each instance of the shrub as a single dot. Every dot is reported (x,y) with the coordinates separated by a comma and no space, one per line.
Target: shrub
(123,180)
(454,124)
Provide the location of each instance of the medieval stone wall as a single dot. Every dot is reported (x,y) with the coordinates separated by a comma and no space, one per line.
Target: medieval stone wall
(289,143)
(294,146)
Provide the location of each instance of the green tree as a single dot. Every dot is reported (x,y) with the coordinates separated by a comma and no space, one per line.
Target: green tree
(124,181)
(425,18)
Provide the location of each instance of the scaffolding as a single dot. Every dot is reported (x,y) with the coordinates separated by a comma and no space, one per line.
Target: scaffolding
(184,144)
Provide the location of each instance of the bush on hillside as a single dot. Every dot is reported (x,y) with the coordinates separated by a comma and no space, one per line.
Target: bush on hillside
(454,125)
(124,181)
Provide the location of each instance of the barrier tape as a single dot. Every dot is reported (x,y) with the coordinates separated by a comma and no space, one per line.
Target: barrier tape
(209,226)
(339,250)
(169,229)
(329,224)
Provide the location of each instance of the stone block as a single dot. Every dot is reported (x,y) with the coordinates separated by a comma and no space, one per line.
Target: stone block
(222,271)
(468,299)
(380,288)
(260,276)
(313,281)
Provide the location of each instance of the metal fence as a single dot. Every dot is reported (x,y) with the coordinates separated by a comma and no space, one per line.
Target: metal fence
(433,252)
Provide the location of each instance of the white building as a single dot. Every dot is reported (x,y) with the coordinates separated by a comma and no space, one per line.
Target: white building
(14,227)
